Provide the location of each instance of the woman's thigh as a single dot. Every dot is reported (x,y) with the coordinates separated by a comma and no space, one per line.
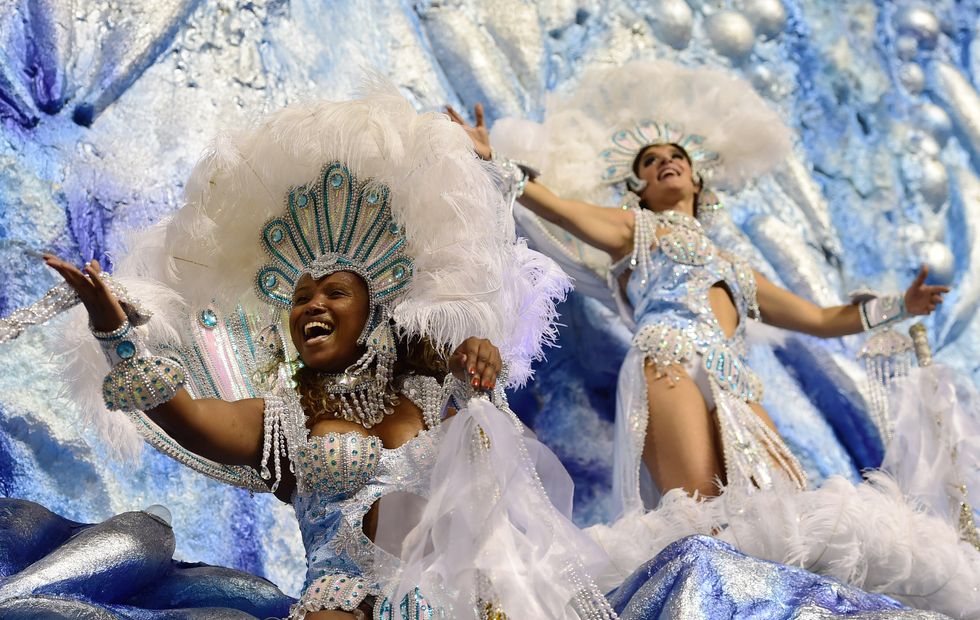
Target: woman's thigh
(682,448)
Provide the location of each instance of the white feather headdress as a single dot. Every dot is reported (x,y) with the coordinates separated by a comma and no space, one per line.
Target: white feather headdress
(471,278)
(471,275)
(737,125)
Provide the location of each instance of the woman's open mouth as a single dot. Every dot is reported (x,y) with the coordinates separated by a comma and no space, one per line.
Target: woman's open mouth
(317,331)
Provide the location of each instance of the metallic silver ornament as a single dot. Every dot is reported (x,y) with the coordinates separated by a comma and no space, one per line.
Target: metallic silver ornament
(672,21)
(912,77)
(920,23)
(161,512)
(768,17)
(934,183)
(731,34)
(940,260)
(934,120)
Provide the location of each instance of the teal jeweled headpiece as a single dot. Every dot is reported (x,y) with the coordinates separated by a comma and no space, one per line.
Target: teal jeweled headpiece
(340,223)
(336,223)
(627,144)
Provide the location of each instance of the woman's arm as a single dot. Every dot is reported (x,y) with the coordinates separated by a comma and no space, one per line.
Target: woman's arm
(224,432)
(610,230)
(783,309)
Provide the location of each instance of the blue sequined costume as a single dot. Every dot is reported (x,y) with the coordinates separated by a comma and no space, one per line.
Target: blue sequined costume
(339,477)
(673,266)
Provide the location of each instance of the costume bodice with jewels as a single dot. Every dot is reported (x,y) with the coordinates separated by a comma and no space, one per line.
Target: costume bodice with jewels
(667,292)
(339,477)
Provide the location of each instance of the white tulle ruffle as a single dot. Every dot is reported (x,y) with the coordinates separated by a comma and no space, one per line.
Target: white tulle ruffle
(491,531)
(868,535)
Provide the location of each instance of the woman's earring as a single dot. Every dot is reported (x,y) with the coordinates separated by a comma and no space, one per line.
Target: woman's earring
(635,183)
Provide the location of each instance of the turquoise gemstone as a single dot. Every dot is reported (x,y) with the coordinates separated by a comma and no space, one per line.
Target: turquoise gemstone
(393,227)
(209,319)
(373,198)
(277,234)
(125,349)
(302,201)
(270,280)
(399,272)
(336,180)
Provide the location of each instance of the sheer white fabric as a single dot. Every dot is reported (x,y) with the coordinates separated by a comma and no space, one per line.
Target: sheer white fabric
(934,452)
(496,527)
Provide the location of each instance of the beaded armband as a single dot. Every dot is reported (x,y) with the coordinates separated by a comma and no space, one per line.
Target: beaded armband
(514,175)
(138,380)
(461,392)
(883,310)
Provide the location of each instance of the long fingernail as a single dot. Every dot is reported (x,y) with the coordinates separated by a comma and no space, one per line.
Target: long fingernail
(472,370)
(486,385)
(476,383)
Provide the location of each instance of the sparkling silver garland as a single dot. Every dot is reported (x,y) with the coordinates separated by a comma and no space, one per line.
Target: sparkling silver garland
(62,298)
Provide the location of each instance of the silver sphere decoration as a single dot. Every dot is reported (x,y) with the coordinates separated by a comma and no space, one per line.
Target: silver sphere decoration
(912,234)
(906,46)
(912,77)
(940,260)
(934,183)
(920,23)
(762,78)
(923,143)
(731,34)
(768,17)
(934,120)
(160,512)
(672,21)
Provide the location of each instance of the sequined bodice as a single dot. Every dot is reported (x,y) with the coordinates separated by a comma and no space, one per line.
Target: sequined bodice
(671,279)
(668,290)
(339,477)
(339,464)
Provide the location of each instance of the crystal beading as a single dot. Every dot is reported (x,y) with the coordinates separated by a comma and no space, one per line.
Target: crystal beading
(685,269)
(138,380)
(887,356)
(61,298)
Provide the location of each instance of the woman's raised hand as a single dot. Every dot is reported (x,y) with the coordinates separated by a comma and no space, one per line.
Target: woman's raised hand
(478,133)
(922,298)
(477,362)
(103,308)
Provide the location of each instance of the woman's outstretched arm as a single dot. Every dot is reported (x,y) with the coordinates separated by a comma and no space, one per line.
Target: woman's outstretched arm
(782,308)
(224,432)
(610,230)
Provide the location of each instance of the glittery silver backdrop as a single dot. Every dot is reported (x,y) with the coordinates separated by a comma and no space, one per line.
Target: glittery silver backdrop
(105,106)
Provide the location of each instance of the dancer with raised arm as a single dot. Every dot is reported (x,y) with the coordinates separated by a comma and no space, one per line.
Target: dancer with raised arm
(689,423)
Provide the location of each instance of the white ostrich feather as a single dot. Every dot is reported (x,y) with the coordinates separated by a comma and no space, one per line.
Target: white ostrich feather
(735,122)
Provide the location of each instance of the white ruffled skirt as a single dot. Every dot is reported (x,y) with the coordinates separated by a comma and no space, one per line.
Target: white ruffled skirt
(898,533)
